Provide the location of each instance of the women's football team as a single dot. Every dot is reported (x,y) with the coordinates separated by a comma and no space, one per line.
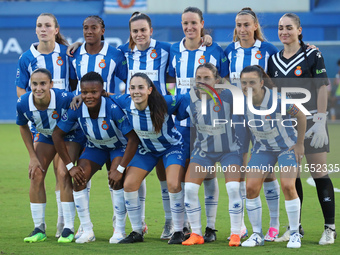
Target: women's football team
(178,135)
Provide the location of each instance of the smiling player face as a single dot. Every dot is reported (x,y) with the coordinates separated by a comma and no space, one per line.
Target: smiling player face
(139,91)
(41,85)
(91,92)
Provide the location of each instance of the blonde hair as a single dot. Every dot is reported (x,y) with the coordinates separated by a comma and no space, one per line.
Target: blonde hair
(258,34)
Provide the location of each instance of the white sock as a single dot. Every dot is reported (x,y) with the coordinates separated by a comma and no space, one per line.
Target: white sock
(272,194)
(211,192)
(120,210)
(113,207)
(38,214)
(60,209)
(69,211)
(81,200)
(133,208)
(185,221)
(193,207)
(254,209)
(235,207)
(177,210)
(293,213)
(88,188)
(243,191)
(142,195)
(166,200)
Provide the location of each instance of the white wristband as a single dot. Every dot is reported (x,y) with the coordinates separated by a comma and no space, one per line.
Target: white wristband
(120,169)
(69,166)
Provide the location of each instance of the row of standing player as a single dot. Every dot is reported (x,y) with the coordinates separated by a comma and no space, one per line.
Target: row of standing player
(245,37)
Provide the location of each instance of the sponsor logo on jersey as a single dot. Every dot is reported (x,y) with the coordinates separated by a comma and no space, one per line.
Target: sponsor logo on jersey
(102,64)
(105,126)
(258,55)
(320,71)
(55,115)
(59,61)
(298,71)
(153,54)
(202,60)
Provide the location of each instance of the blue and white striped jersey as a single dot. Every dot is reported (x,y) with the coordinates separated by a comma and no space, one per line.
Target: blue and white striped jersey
(183,65)
(268,131)
(240,57)
(56,62)
(105,132)
(210,136)
(142,123)
(109,62)
(43,121)
(153,61)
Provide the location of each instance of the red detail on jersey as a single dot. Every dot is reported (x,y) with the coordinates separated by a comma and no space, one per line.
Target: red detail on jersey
(298,71)
(55,115)
(105,126)
(268,117)
(59,61)
(153,54)
(126,3)
(202,60)
(102,64)
(258,55)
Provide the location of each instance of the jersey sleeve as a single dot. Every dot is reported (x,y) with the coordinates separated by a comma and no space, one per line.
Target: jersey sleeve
(21,119)
(271,49)
(172,59)
(182,108)
(224,63)
(73,74)
(68,120)
(319,70)
(270,67)
(121,120)
(121,68)
(22,76)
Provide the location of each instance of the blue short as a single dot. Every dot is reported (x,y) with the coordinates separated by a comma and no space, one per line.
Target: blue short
(185,131)
(207,159)
(76,136)
(100,156)
(148,160)
(266,160)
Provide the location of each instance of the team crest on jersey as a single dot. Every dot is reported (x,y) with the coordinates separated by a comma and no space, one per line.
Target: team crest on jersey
(153,54)
(105,126)
(298,71)
(258,55)
(36,137)
(202,60)
(102,64)
(59,61)
(55,115)
(268,117)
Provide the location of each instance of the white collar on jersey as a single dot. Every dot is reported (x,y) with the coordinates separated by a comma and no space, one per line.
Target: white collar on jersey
(52,104)
(182,47)
(102,110)
(36,53)
(152,45)
(133,107)
(103,51)
(256,44)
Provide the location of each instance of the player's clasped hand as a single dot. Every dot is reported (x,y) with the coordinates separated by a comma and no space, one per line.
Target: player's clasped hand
(114,177)
(78,175)
(33,166)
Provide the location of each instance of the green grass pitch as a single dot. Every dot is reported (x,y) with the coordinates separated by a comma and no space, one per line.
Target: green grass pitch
(16,222)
